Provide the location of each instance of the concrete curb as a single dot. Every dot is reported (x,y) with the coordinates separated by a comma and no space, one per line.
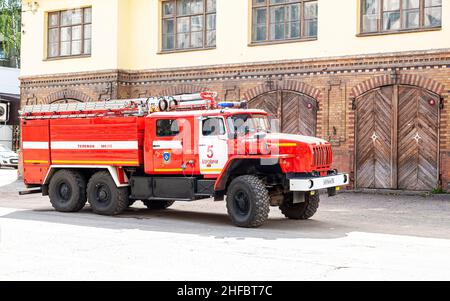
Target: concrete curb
(394,192)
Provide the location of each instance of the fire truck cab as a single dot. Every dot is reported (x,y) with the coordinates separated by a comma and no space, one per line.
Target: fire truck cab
(163,150)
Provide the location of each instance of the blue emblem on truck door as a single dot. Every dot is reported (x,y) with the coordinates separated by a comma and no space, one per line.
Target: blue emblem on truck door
(166,157)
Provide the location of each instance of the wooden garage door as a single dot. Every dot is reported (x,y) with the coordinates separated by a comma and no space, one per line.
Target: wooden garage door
(299,114)
(296,112)
(268,102)
(418,139)
(374,139)
(397,139)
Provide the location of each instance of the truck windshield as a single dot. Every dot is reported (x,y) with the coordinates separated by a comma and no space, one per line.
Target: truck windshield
(242,124)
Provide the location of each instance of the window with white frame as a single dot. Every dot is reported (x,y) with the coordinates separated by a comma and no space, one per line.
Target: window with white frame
(188,24)
(281,20)
(379,16)
(69,33)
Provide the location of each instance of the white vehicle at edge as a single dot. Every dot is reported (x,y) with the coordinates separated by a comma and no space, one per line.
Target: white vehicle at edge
(8,158)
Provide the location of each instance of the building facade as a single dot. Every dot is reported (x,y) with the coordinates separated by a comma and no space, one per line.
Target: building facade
(371,76)
(10,95)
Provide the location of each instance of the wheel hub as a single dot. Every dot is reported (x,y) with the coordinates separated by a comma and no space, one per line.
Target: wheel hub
(65,191)
(242,203)
(102,193)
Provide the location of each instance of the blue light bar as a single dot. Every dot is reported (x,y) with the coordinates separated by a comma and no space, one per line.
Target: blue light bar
(227,104)
(235,104)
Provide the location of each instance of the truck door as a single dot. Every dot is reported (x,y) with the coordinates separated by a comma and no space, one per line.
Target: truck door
(213,145)
(168,146)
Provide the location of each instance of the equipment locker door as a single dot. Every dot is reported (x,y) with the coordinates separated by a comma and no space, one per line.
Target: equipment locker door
(168,146)
(36,150)
(213,145)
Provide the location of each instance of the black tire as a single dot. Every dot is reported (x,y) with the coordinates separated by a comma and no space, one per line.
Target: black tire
(104,196)
(248,202)
(158,205)
(67,191)
(300,211)
(332,191)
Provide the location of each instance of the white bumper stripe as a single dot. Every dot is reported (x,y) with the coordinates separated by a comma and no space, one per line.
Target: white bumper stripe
(310,184)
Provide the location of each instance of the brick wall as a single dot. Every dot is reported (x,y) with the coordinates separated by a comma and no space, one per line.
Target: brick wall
(334,83)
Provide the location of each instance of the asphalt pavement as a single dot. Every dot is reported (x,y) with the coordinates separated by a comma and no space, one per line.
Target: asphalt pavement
(354,236)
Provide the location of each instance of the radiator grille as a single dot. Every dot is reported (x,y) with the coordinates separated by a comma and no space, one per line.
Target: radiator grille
(322,156)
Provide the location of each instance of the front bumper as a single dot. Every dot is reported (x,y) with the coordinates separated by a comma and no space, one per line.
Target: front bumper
(9,162)
(316,183)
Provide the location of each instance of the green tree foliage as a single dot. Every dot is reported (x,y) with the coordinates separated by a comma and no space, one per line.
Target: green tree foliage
(10,28)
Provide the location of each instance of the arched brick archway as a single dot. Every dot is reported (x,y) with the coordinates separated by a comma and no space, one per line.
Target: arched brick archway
(68,94)
(286,85)
(398,79)
(294,104)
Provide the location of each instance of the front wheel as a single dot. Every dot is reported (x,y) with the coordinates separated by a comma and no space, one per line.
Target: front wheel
(104,196)
(302,211)
(248,202)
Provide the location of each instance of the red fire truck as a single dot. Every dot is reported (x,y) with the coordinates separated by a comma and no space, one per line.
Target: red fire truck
(166,149)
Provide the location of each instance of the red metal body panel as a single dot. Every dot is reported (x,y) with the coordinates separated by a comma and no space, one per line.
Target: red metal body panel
(220,183)
(113,141)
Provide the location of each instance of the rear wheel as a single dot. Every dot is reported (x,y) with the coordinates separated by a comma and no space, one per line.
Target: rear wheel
(104,196)
(248,202)
(300,211)
(67,191)
(158,205)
